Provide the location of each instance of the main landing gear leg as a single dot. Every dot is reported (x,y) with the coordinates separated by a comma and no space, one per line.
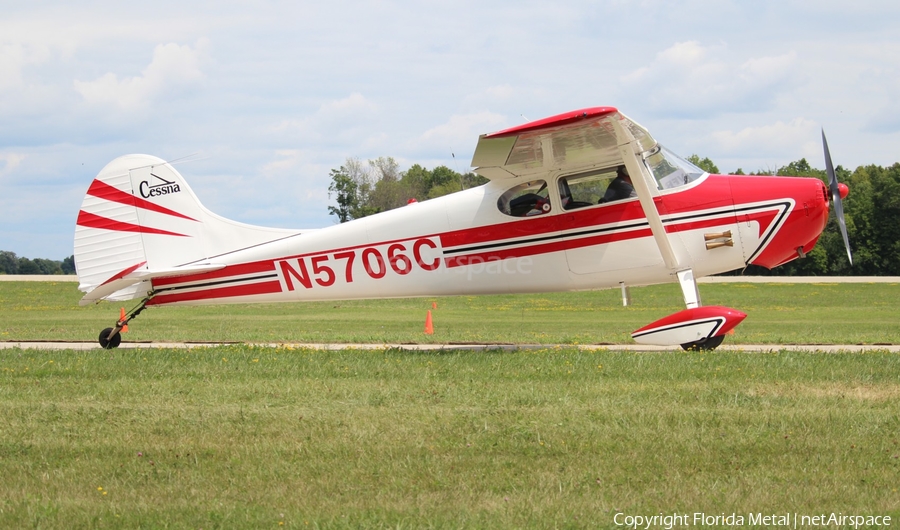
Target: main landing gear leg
(689,288)
(692,299)
(110,337)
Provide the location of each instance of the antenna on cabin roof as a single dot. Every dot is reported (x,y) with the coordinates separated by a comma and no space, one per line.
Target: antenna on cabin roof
(456,167)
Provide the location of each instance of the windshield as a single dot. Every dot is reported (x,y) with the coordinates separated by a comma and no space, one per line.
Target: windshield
(670,170)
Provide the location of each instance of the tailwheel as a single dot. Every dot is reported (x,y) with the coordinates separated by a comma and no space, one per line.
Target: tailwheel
(108,342)
(111,337)
(708,343)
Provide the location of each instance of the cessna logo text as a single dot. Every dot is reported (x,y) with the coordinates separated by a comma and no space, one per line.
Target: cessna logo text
(163,187)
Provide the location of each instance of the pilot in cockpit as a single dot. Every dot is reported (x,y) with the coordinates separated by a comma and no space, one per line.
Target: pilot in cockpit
(620,188)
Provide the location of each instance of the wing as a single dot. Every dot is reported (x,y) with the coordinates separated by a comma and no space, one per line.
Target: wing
(566,142)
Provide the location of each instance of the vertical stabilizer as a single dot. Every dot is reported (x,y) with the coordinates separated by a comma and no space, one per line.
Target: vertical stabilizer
(140,216)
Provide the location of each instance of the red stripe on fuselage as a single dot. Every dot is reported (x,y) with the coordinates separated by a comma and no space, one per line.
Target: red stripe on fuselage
(545,224)
(232,291)
(544,248)
(230,270)
(765,217)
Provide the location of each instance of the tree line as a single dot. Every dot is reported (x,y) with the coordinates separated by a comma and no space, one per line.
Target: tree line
(872,209)
(360,189)
(12,264)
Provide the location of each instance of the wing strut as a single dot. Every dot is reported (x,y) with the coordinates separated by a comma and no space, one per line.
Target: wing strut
(631,152)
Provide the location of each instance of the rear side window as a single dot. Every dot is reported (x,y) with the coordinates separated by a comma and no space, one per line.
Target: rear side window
(525,200)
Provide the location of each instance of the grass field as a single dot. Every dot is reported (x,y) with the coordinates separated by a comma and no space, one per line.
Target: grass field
(253,437)
(777,314)
(244,437)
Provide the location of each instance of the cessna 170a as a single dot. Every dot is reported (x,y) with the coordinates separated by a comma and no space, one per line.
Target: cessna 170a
(582,200)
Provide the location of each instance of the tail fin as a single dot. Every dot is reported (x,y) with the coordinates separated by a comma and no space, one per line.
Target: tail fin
(140,220)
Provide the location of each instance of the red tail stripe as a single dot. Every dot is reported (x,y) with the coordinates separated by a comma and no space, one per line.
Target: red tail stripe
(103,190)
(90,220)
(122,274)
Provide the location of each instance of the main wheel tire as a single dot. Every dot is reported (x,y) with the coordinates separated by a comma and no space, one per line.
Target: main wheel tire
(106,343)
(709,343)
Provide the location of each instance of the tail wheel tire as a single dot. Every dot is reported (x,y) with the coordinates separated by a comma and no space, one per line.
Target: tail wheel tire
(709,343)
(106,343)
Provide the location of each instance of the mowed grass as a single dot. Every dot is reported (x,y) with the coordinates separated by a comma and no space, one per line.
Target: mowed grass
(261,437)
(272,437)
(777,314)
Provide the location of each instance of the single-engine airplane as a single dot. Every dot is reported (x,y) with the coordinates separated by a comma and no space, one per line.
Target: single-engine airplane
(581,200)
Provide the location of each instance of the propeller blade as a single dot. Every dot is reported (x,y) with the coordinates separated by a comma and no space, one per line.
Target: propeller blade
(836,196)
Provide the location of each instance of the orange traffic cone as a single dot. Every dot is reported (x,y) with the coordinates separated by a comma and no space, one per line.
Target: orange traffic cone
(121,318)
(433,305)
(429,327)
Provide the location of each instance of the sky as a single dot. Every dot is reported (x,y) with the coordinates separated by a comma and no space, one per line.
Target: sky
(259,100)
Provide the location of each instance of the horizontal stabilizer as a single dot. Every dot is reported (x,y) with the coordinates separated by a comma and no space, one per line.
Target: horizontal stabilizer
(138,274)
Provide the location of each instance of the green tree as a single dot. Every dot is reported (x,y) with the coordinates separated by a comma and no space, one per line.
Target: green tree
(26,266)
(471,180)
(48,266)
(68,265)
(345,190)
(381,186)
(9,262)
(703,163)
(873,219)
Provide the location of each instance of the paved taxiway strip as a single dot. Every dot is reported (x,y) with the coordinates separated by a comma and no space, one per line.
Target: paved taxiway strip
(750,348)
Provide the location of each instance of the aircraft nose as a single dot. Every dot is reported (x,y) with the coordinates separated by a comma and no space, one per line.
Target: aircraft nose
(803,222)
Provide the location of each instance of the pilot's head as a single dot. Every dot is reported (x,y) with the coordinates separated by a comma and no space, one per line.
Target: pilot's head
(623,173)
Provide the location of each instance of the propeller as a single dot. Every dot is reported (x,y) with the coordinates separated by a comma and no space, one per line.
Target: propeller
(837,192)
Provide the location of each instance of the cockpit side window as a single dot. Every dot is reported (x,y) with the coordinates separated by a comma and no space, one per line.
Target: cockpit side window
(595,187)
(525,200)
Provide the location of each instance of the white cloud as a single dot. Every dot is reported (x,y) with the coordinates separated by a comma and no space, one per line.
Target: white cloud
(691,79)
(12,58)
(460,133)
(334,118)
(779,139)
(173,68)
(9,162)
(287,160)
